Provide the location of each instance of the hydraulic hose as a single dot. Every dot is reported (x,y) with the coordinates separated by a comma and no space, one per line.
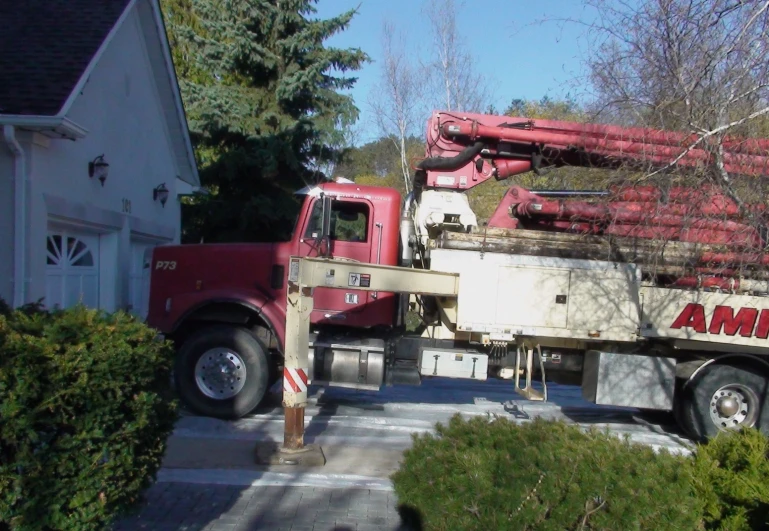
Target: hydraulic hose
(451,163)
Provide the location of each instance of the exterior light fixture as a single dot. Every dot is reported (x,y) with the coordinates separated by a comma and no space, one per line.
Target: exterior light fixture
(160,193)
(98,168)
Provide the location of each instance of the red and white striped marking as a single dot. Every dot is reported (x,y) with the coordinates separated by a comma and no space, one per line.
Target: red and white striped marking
(294,380)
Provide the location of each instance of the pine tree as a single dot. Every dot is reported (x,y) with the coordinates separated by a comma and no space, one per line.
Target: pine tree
(262,95)
(378,162)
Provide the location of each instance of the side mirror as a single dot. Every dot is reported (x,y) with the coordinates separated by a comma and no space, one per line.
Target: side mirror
(324,238)
(326,231)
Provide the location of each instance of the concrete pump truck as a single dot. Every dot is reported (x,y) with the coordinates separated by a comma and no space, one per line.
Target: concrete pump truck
(647,297)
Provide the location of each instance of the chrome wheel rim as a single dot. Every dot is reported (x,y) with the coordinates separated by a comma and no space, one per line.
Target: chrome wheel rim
(734,406)
(220,373)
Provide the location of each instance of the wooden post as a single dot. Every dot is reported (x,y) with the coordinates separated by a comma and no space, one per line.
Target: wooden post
(293,435)
(296,367)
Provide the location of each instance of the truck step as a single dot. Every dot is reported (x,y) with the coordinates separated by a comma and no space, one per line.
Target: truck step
(528,391)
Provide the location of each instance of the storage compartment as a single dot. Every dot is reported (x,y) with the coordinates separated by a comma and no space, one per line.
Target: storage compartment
(532,296)
(454,363)
(508,295)
(629,380)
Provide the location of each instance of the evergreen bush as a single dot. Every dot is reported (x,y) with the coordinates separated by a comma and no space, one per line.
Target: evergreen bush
(731,475)
(83,419)
(542,475)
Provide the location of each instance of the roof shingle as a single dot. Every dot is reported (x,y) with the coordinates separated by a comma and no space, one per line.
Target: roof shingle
(47,45)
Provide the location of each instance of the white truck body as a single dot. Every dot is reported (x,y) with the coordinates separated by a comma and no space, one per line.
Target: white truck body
(507,296)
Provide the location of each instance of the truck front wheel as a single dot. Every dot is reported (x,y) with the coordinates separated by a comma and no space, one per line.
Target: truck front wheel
(724,397)
(222,372)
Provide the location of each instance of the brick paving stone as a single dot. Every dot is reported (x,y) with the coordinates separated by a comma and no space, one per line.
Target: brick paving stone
(291,497)
(320,493)
(372,527)
(221,527)
(327,517)
(192,507)
(305,518)
(338,508)
(254,511)
(228,519)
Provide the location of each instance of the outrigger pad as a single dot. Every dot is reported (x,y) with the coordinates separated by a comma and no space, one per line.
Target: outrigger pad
(273,454)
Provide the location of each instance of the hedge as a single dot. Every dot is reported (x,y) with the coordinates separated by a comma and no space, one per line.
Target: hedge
(542,475)
(83,416)
(495,474)
(731,476)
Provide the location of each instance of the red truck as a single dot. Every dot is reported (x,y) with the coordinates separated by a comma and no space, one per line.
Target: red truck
(647,297)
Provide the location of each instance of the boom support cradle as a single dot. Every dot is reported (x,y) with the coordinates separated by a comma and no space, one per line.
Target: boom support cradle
(308,273)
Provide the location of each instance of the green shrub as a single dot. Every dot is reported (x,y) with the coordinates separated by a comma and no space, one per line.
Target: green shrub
(542,475)
(83,420)
(731,475)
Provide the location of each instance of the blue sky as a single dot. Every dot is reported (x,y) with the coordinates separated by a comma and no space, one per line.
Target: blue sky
(522,56)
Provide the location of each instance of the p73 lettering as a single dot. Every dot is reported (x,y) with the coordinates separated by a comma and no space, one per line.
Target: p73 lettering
(165,265)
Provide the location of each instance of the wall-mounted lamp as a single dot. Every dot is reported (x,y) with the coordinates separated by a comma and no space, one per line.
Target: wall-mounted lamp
(160,193)
(98,168)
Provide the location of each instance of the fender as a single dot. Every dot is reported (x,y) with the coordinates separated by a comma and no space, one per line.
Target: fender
(711,361)
(275,314)
(267,309)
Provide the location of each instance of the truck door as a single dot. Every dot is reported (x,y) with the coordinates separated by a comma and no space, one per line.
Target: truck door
(350,236)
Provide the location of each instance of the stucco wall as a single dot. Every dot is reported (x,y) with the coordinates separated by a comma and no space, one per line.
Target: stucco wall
(6,223)
(119,107)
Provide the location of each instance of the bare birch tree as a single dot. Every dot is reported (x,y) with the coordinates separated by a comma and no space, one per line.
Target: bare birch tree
(397,101)
(698,66)
(457,84)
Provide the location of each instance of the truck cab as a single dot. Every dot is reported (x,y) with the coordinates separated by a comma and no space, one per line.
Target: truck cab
(224,305)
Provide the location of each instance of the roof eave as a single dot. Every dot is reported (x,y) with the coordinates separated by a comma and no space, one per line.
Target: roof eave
(51,126)
(193,178)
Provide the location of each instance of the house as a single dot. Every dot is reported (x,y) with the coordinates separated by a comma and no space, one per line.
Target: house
(94,150)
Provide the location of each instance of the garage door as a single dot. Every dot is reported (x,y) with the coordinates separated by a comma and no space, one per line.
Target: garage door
(138,288)
(72,271)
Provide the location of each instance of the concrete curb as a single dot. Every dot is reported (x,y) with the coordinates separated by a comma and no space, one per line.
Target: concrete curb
(255,478)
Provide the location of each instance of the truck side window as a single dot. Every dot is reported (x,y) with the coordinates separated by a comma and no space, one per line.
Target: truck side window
(349,221)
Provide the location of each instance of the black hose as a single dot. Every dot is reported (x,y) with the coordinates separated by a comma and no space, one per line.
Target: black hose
(452,163)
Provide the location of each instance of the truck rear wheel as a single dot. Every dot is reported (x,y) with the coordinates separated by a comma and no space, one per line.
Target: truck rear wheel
(724,397)
(222,371)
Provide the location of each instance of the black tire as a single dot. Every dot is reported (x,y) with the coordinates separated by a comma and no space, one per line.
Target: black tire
(255,369)
(682,403)
(750,388)
(275,373)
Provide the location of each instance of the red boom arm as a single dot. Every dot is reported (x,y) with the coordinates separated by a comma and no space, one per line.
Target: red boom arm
(464,150)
